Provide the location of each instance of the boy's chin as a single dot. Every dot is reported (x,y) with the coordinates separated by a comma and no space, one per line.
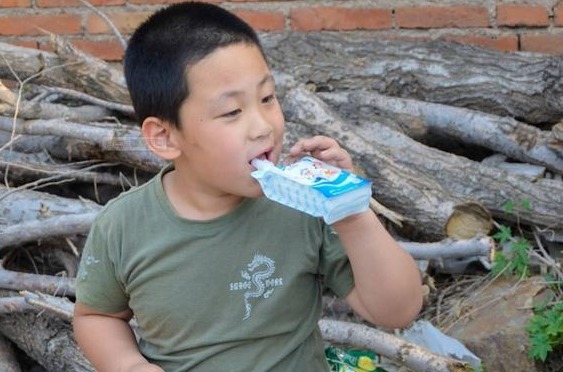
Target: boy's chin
(255,192)
(258,194)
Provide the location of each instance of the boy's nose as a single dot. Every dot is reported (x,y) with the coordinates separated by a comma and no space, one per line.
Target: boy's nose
(260,127)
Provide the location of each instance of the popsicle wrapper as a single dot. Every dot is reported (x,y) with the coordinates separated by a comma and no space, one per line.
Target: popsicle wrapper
(314,187)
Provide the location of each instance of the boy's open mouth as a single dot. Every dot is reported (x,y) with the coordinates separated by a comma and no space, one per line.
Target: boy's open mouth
(263,156)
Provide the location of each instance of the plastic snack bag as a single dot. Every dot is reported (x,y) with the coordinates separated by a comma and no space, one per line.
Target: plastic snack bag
(314,187)
(352,360)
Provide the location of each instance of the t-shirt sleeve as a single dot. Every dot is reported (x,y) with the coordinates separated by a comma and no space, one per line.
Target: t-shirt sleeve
(97,284)
(335,267)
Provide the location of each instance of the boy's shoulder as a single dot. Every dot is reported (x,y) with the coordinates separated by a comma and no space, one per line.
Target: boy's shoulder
(125,204)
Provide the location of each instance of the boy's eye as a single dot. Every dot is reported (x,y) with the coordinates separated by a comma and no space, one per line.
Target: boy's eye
(268,99)
(232,113)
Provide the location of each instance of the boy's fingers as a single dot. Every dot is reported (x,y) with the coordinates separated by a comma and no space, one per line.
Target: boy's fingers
(317,143)
(333,155)
(322,148)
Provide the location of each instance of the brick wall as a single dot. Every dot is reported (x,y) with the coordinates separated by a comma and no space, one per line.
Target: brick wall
(535,26)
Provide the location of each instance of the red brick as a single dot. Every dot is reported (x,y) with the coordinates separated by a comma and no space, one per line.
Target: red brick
(442,17)
(258,1)
(406,37)
(126,22)
(543,43)
(32,24)
(166,1)
(108,50)
(558,15)
(61,3)
(522,15)
(338,18)
(504,43)
(263,21)
(25,44)
(46,46)
(15,3)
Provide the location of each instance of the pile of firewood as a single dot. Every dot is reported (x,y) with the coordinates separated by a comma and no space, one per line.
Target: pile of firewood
(449,134)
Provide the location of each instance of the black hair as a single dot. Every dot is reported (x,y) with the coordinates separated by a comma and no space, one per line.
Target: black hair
(163,48)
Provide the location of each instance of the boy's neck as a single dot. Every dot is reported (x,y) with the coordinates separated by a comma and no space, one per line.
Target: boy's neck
(196,204)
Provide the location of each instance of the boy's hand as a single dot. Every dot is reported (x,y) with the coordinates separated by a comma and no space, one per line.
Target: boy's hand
(323,148)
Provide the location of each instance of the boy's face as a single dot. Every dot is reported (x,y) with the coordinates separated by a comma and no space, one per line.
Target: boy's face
(230,117)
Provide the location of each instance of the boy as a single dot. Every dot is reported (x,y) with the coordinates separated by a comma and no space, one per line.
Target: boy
(218,277)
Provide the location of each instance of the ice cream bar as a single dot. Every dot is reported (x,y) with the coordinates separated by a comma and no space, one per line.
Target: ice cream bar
(314,187)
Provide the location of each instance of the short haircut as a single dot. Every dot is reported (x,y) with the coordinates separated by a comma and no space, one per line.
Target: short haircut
(163,48)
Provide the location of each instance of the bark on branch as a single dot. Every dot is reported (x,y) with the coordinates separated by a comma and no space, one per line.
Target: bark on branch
(450,248)
(515,139)
(423,183)
(73,224)
(51,343)
(522,85)
(411,355)
(71,70)
(122,143)
(49,284)
(36,109)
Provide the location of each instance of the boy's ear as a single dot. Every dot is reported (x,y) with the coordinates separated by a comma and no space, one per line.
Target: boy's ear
(159,137)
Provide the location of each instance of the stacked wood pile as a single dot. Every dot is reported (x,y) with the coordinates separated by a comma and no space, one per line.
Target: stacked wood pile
(447,133)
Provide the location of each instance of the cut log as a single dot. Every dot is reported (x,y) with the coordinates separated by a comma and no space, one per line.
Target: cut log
(97,78)
(26,205)
(64,148)
(517,140)
(50,342)
(87,70)
(122,142)
(23,167)
(468,220)
(37,109)
(525,86)
(423,183)
(49,284)
(27,62)
(68,225)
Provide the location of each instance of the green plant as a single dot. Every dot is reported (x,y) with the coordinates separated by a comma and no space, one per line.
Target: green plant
(518,261)
(545,329)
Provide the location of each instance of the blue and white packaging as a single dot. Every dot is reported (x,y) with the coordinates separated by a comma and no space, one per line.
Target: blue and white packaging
(314,187)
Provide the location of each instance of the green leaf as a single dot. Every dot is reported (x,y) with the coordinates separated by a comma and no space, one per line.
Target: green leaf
(539,346)
(504,235)
(508,207)
(499,263)
(525,204)
(521,245)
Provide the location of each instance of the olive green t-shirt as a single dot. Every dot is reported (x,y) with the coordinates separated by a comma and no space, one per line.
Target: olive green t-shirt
(241,292)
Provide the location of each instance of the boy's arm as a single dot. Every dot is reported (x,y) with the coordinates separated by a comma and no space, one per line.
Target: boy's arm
(387,289)
(108,341)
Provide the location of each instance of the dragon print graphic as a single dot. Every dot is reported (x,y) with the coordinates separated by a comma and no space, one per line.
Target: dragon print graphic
(257,282)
